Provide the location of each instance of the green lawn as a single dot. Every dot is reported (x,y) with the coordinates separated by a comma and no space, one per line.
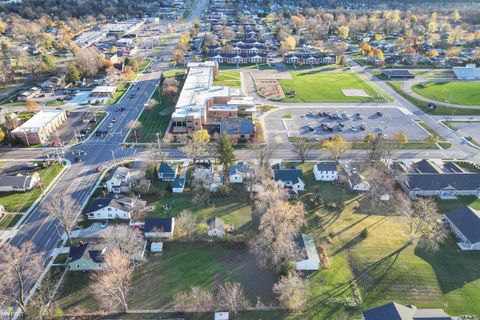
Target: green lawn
(55,103)
(316,86)
(438,111)
(181,266)
(156,119)
(234,209)
(122,87)
(382,265)
(229,78)
(458,92)
(9,220)
(21,201)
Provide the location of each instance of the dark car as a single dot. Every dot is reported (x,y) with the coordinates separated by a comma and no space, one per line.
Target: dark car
(379,113)
(77,159)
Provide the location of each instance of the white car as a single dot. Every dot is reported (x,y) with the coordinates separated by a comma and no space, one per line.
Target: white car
(110,124)
(114,120)
(316,138)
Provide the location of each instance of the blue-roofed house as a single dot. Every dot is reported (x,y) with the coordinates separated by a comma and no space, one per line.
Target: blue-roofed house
(159,227)
(289,178)
(238,172)
(167,171)
(178,185)
(239,128)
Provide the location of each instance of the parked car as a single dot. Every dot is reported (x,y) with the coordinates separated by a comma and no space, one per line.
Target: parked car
(104,224)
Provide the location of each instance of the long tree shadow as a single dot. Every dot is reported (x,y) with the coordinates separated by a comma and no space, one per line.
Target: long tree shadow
(453,268)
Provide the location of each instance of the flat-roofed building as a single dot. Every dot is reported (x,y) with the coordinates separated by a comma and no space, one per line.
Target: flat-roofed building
(40,127)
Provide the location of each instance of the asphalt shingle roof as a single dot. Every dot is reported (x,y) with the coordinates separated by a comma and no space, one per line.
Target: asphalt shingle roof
(293,175)
(327,166)
(467,220)
(164,224)
(435,181)
(395,311)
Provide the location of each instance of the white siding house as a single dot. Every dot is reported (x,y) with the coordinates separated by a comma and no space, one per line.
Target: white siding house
(238,172)
(119,180)
(111,208)
(325,171)
(19,183)
(290,178)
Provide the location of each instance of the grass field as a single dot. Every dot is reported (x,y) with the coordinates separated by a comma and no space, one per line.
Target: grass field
(316,86)
(422,105)
(461,92)
(21,201)
(156,119)
(229,78)
(181,266)
(122,87)
(234,209)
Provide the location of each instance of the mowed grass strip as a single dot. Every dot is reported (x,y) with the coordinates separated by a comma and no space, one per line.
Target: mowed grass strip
(155,119)
(457,92)
(318,86)
(21,201)
(229,78)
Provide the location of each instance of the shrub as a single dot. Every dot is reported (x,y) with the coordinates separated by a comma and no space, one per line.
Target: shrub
(324,259)
(364,233)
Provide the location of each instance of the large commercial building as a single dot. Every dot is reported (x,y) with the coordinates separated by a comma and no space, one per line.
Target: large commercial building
(40,127)
(202,105)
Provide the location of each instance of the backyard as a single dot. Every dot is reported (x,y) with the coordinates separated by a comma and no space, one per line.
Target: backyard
(458,92)
(319,85)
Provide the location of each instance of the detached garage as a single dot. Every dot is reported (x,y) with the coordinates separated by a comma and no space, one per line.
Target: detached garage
(308,259)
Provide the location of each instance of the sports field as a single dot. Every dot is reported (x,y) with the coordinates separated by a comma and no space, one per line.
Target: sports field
(318,86)
(461,92)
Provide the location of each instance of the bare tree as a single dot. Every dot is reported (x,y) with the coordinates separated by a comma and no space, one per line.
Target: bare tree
(196,300)
(134,125)
(275,246)
(263,154)
(21,267)
(268,196)
(381,183)
(230,297)
(125,239)
(111,285)
(378,147)
(202,189)
(302,148)
(185,224)
(291,292)
(65,210)
(194,149)
(423,221)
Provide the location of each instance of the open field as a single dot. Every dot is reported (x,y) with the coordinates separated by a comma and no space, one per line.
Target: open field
(457,92)
(180,267)
(155,119)
(316,86)
(21,201)
(229,78)
(438,111)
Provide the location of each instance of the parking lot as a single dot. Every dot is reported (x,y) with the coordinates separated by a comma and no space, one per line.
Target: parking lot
(351,123)
(79,124)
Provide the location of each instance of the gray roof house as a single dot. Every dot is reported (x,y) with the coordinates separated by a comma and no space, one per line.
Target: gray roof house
(238,172)
(465,223)
(86,257)
(325,171)
(289,178)
(167,171)
(159,227)
(395,311)
(18,183)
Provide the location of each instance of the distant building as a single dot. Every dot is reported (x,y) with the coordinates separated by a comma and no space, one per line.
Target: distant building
(465,223)
(308,259)
(398,74)
(325,171)
(395,311)
(39,128)
(19,183)
(103,91)
(29,94)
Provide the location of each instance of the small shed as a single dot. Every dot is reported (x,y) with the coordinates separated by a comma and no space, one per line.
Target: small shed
(156,247)
(221,316)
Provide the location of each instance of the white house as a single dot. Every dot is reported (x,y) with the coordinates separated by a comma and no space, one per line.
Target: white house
(357,182)
(238,172)
(86,257)
(216,227)
(19,183)
(159,227)
(119,181)
(325,171)
(465,224)
(167,171)
(308,259)
(111,208)
(289,178)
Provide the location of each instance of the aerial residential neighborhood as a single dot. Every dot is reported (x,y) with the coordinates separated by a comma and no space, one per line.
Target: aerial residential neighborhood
(250,160)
